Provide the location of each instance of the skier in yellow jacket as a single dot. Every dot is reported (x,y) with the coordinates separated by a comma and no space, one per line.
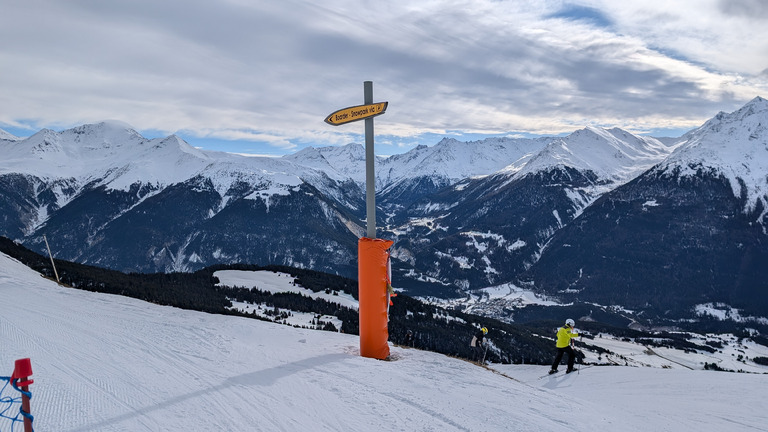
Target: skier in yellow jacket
(477,344)
(564,336)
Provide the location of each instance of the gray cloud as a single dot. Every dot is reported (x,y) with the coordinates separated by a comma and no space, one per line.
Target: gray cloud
(270,71)
(753,9)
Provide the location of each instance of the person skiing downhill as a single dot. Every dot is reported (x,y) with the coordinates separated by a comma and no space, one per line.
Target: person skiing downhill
(477,343)
(564,345)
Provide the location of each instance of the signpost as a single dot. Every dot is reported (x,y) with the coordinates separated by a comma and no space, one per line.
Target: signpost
(366,112)
(355,113)
(373,253)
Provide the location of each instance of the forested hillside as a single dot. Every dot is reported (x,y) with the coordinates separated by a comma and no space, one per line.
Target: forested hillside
(435,329)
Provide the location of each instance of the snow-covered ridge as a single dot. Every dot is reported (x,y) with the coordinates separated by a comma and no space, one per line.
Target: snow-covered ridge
(448,160)
(455,160)
(613,155)
(93,149)
(4,135)
(116,156)
(339,163)
(734,145)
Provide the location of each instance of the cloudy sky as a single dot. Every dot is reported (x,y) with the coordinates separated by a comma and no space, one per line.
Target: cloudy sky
(260,76)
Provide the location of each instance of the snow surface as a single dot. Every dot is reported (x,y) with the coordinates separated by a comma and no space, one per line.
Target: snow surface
(277,282)
(724,312)
(110,363)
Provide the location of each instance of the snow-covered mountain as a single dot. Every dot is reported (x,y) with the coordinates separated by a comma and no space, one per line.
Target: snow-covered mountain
(105,195)
(340,163)
(454,160)
(464,216)
(4,135)
(113,155)
(612,155)
(448,161)
(110,363)
(690,231)
(85,188)
(479,231)
(404,178)
(733,146)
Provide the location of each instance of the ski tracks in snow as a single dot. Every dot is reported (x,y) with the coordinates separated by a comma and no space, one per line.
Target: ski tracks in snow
(102,377)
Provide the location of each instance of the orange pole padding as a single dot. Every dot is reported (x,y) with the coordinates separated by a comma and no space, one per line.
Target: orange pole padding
(372,281)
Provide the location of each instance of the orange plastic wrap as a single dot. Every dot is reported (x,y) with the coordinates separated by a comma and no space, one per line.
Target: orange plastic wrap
(372,279)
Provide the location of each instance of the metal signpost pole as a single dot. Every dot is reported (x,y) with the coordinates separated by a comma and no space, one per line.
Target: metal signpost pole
(370,178)
(373,257)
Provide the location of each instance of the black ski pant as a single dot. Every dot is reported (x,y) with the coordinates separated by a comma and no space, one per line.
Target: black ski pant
(571,357)
(478,352)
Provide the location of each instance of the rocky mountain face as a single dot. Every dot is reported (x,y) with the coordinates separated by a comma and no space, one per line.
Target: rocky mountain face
(105,196)
(480,232)
(691,231)
(596,216)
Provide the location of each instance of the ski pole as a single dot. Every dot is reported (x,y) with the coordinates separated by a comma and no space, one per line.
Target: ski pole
(581,362)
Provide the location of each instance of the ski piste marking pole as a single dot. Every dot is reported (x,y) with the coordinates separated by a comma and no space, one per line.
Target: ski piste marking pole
(373,278)
(20,381)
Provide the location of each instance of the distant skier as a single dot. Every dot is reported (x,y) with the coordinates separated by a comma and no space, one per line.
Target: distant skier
(564,345)
(409,339)
(478,344)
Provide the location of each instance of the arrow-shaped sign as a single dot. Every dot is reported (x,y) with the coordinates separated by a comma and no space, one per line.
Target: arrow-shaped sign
(355,113)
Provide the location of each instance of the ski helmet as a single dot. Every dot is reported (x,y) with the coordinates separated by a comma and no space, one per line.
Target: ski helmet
(485,330)
(569,322)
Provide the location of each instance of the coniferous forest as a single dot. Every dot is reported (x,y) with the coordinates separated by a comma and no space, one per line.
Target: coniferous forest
(434,328)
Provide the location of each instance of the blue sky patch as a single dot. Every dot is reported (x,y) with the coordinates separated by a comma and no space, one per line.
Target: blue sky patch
(583,13)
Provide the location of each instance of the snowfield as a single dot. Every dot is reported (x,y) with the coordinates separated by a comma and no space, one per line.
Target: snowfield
(277,282)
(109,363)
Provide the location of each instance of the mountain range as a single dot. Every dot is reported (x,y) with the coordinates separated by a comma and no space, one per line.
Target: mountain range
(692,229)
(659,226)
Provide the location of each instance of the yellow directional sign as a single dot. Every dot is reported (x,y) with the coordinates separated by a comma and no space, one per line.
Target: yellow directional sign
(356,113)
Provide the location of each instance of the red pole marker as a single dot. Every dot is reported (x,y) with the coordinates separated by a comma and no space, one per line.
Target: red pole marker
(21,372)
